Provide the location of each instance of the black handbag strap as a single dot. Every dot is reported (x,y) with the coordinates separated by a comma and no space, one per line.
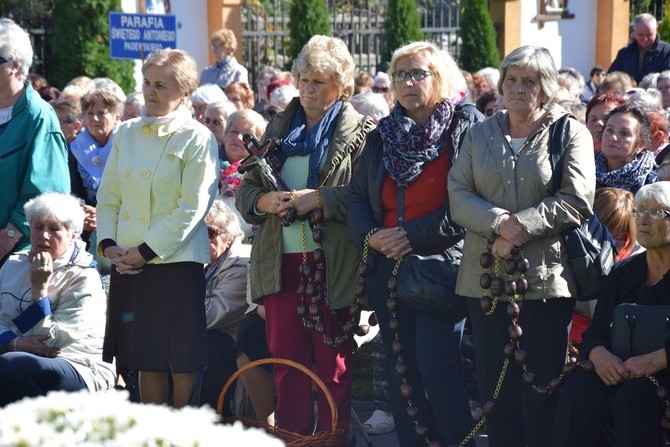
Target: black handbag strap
(557,133)
(401,206)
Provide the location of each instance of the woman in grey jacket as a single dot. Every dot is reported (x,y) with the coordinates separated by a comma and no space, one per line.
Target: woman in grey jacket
(500,190)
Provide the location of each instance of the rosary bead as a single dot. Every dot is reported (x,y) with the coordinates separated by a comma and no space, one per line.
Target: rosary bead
(301,288)
(349,327)
(486,259)
(316,217)
(392,304)
(528,377)
(661,393)
(509,349)
(510,266)
(362,329)
(485,280)
(488,408)
(516,251)
(568,368)
(486,304)
(310,289)
(320,275)
(520,356)
(513,309)
(355,310)
(523,265)
(319,296)
(320,327)
(372,319)
(555,384)
(313,309)
(521,285)
(309,324)
(306,270)
(363,269)
(392,284)
(302,309)
(319,255)
(421,431)
(396,347)
(510,287)
(541,390)
(359,290)
(497,286)
(329,341)
(394,325)
(317,235)
(412,412)
(514,331)
(401,369)
(406,391)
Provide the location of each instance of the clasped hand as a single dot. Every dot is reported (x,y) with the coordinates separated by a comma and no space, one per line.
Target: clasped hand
(391,242)
(127,262)
(511,234)
(34,344)
(612,370)
(277,202)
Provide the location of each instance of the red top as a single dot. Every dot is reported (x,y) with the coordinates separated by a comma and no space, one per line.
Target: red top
(426,195)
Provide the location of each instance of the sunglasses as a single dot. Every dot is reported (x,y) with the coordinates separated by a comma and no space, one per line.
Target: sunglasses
(215,121)
(380,89)
(3,60)
(213,232)
(416,74)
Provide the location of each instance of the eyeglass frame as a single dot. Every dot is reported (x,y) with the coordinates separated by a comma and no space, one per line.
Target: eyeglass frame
(4,61)
(657,214)
(380,89)
(417,75)
(213,232)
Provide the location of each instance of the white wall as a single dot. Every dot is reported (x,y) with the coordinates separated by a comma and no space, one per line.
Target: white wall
(192,34)
(571,42)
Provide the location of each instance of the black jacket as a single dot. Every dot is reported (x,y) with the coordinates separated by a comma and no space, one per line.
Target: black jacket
(364,207)
(656,59)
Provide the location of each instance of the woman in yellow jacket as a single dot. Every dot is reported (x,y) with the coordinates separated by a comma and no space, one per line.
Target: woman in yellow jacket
(158,184)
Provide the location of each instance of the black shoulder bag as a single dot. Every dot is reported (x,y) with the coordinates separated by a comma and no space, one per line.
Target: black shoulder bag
(590,247)
(428,283)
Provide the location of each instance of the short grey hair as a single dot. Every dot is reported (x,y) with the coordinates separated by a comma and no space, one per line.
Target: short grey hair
(534,58)
(15,45)
(224,218)
(645,18)
(64,208)
(370,104)
(135,99)
(657,192)
(257,123)
(208,93)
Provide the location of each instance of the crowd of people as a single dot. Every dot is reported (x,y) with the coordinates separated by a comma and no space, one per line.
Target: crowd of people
(174,235)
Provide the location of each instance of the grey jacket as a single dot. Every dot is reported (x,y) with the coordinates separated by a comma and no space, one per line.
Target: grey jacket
(266,252)
(488,180)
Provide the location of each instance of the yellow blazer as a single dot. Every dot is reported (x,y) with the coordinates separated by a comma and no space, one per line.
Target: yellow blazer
(157,186)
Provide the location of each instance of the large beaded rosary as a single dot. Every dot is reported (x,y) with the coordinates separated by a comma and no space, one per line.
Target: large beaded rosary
(312,285)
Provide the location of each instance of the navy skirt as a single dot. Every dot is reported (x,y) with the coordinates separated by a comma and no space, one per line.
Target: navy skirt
(156,319)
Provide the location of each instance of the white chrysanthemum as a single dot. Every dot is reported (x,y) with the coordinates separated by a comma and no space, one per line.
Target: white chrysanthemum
(108,419)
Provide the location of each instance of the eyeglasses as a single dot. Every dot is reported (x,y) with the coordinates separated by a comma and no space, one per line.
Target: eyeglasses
(213,232)
(489,112)
(380,89)
(654,213)
(3,60)
(416,74)
(215,121)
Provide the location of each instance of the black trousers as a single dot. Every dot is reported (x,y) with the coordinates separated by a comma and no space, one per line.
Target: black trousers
(585,403)
(545,340)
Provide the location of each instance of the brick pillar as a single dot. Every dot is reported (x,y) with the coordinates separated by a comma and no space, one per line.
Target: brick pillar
(225,14)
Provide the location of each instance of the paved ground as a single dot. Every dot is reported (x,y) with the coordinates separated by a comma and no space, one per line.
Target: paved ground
(364,409)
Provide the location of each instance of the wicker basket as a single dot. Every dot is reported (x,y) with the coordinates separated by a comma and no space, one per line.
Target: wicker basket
(333,437)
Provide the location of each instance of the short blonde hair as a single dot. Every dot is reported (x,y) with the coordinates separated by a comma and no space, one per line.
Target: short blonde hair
(329,56)
(448,77)
(183,66)
(106,96)
(226,37)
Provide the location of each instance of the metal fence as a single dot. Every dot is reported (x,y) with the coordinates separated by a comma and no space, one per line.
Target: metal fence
(361,26)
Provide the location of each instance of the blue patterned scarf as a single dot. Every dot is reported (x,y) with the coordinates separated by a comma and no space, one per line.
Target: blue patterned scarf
(314,142)
(630,176)
(407,146)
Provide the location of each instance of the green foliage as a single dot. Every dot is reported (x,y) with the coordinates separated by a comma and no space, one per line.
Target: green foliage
(664,25)
(79,44)
(478,36)
(402,25)
(307,18)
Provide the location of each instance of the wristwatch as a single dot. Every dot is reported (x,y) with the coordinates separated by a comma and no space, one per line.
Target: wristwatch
(12,233)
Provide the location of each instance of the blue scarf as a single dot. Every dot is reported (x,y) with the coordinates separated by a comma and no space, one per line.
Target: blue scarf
(314,143)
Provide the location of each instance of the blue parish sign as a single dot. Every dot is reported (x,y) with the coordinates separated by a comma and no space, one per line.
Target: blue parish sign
(134,36)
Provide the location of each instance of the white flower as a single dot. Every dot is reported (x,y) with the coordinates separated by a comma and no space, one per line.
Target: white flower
(109,419)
